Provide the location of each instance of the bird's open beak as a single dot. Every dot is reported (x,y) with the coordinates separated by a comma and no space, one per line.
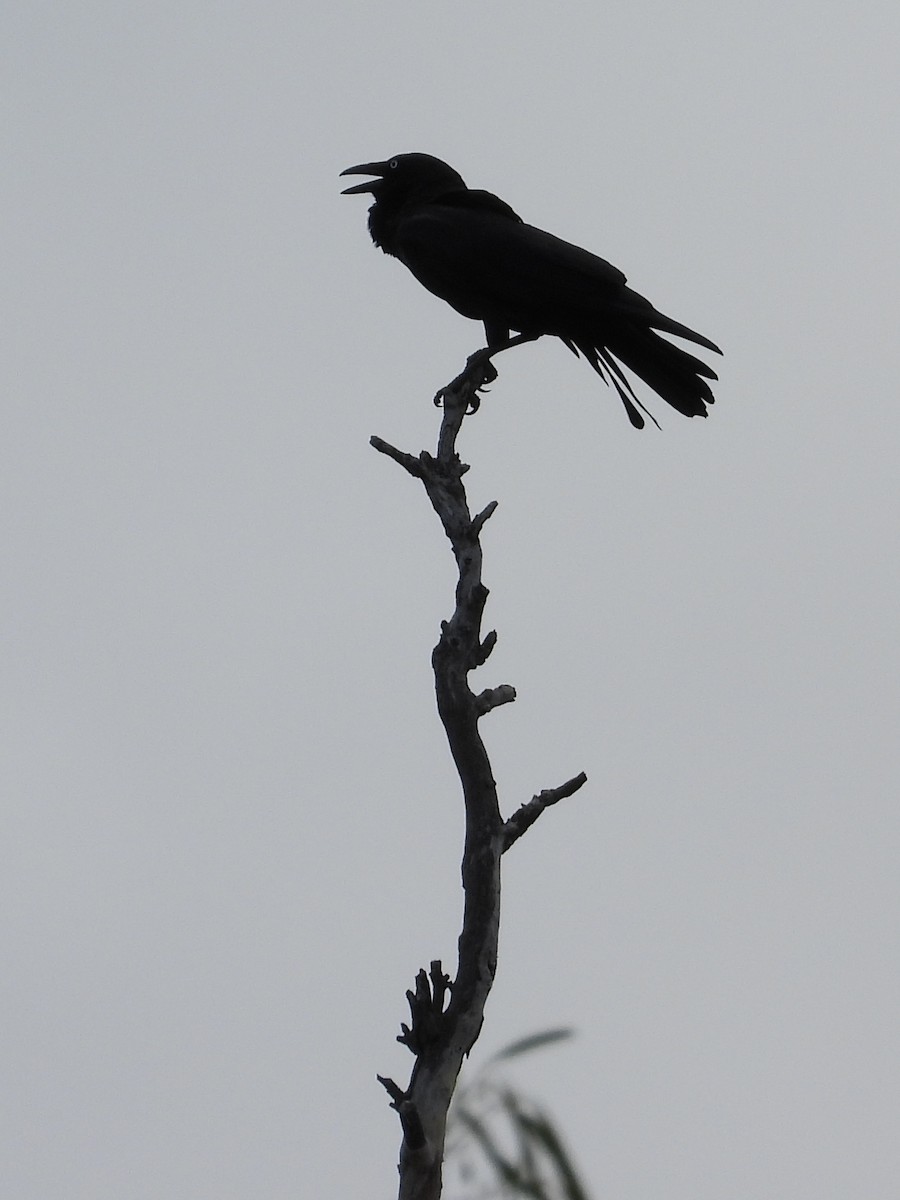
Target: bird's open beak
(377,168)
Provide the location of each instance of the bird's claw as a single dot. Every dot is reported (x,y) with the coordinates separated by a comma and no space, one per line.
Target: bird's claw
(479,372)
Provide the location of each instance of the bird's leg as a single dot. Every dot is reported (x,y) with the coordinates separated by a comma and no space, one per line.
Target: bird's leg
(479,372)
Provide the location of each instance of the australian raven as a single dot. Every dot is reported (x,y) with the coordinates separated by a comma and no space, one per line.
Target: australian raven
(471,249)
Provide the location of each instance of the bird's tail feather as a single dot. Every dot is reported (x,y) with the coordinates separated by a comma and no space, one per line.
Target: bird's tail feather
(678,377)
(671,372)
(611,373)
(643,310)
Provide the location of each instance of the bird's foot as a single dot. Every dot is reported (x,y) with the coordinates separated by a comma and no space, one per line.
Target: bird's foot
(479,372)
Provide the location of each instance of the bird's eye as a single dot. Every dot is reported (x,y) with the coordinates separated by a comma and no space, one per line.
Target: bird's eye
(393,164)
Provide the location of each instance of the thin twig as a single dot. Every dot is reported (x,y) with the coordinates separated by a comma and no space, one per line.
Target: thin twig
(526,815)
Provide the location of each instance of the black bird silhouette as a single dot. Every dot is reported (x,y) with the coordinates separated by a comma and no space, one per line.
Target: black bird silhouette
(471,249)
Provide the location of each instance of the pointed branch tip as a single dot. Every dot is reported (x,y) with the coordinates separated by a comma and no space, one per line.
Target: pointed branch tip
(526,815)
(485,648)
(478,522)
(408,461)
(394,1090)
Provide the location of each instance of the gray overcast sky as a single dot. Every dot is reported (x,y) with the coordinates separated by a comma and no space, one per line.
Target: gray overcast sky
(231,830)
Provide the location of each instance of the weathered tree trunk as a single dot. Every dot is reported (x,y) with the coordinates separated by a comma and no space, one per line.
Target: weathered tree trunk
(446,1017)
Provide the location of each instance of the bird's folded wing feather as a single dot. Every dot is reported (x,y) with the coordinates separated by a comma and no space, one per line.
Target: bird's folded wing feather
(489,265)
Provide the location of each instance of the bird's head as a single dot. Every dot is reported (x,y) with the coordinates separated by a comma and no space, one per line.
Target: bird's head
(405,177)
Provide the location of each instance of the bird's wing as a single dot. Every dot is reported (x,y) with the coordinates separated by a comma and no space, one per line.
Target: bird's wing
(480,261)
(503,271)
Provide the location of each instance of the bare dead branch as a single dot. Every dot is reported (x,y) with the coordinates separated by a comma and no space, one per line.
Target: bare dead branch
(486,513)
(393,1089)
(445,1017)
(494,697)
(484,650)
(408,461)
(426,1007)
(526,815)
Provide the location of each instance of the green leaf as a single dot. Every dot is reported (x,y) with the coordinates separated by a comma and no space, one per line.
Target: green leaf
(534,1041)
